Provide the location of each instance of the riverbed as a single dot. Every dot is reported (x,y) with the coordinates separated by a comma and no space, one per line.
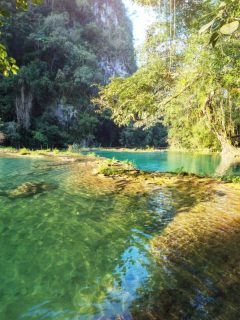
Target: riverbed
(77,246)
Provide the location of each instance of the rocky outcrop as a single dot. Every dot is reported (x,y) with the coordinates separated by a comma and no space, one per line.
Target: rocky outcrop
(27,189)
(111,16)
(65,113)
(115,55)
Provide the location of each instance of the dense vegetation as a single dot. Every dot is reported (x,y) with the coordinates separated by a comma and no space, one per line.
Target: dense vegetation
(189,79)
(187,86)
(61,50)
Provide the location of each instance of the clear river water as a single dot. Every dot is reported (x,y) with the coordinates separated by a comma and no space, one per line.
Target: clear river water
(169,161)
(70,250)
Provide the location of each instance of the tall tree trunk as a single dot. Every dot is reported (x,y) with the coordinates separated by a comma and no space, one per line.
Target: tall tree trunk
(226,164)
(228,150)
(23,108)
(230,156)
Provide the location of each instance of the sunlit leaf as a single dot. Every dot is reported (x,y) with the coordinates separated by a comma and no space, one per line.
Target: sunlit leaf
(206,27)
(5,73)
(222,4)
(229,28)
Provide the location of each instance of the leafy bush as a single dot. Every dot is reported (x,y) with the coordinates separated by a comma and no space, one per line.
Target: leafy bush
(92,154)
(235,179)
(56,151)
(24,151)
(114,167)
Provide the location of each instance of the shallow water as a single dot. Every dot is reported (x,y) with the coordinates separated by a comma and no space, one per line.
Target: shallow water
(76,251)
(202,164)
(71,253)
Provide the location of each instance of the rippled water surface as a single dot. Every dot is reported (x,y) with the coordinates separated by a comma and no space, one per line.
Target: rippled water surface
(69,249)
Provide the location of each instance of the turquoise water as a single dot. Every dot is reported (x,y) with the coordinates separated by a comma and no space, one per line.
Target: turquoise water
(201,164)
(71,250)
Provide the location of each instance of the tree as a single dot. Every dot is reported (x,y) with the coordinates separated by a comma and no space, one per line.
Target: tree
(195,93)
(63,49)
(204,102)
(134,98)
(8,64)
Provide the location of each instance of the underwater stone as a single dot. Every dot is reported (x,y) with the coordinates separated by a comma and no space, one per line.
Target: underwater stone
(29,189)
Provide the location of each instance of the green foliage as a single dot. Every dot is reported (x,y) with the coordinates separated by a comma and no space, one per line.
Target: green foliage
(183,86)
(59,47)
(8,64)
(207,82)
(225,21)
(187,86)
(111,167)
(132,137)
(234,179)
(13,137)
(133,98)
(24,151)
(92,154)
(23,4)
(40,138)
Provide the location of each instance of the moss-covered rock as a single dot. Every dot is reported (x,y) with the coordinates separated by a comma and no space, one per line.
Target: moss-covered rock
(112,167)
(29,189)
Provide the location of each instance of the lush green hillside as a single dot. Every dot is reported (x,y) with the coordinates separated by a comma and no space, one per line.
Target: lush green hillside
(63,48)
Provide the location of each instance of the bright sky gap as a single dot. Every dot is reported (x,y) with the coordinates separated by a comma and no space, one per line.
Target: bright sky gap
(141,19)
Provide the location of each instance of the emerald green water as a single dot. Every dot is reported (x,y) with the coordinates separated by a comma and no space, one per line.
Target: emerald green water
(202,164)
(76,252)
(70,253)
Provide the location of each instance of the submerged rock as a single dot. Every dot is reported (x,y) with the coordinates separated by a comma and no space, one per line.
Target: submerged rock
(2,193)
(29,189)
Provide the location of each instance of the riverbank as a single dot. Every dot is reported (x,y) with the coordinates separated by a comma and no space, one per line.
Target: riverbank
(107,167)
(114,175)
(139,150)
(50,154)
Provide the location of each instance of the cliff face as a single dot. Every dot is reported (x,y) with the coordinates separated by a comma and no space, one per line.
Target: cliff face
(114,46)
(63,48)
(110,15)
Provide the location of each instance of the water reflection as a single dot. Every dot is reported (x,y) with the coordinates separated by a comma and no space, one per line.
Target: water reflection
(202,164)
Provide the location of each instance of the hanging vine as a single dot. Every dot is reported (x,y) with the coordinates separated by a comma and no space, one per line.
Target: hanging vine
(170,17)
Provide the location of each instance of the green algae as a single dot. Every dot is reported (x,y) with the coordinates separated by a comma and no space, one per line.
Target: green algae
(74,252)
(198,261)
(83,249)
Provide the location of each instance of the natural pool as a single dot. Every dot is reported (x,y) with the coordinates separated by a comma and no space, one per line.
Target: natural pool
(169,161)
(76,250)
